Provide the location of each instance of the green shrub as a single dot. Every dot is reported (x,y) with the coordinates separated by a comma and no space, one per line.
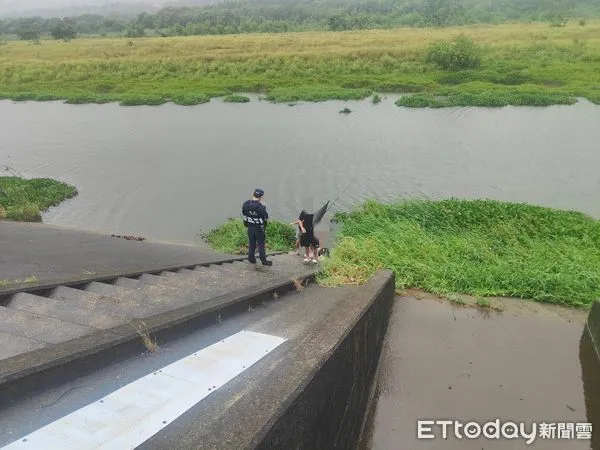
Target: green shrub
(461,54)
(236,99)
(190,99)
(24,213)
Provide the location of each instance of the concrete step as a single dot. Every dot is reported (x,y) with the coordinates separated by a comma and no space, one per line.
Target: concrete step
(144,301)
(90,300)
(13,345)
(111,290)
(39,328)
(175,290)
(180,313)
(214,280)
(57,309)
(34,323)
(235,274)
(128,283)
(281,263)
(150,279)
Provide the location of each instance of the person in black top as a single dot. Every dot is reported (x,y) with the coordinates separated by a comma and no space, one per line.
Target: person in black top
(255,216)
(308,239)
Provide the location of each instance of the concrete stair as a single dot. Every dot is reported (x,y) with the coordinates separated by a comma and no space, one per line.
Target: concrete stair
(30,321)
(311,388)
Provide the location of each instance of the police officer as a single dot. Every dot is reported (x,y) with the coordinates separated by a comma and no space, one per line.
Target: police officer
(255,216)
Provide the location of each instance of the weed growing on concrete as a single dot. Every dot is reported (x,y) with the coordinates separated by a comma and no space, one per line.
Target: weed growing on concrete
(298,285)
(142,330)
(31,279)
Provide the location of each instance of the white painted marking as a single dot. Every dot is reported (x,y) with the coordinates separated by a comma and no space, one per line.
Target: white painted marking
(131,415)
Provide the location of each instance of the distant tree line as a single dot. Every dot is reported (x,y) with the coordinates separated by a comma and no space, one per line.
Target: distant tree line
(251,16)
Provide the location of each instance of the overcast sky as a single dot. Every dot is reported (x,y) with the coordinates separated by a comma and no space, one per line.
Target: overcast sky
(11,6)
(20,5)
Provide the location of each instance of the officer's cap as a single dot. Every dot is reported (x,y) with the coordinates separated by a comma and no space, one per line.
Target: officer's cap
(259,193)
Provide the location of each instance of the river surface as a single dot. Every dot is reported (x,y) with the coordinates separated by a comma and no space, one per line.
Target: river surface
(169,172)
(446,362)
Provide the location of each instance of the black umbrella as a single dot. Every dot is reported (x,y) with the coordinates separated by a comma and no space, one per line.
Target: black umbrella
(318,216)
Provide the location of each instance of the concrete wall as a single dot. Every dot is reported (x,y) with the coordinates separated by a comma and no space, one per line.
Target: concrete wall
(589,353)
(328,412)
(593,326)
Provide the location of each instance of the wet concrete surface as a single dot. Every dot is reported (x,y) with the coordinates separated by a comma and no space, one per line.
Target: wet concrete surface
(444,361)
(50,254)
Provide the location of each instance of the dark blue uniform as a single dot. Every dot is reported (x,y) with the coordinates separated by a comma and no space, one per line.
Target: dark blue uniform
(255,217)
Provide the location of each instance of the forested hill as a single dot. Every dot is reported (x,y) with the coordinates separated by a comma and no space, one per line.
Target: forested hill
(245,16)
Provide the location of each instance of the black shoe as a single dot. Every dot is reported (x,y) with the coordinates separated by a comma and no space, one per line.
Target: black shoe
(267,263)
(252,262)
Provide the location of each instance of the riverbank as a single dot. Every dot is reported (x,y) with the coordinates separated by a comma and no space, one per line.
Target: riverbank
(521,64)
(480,248)
(24,200)
(232,237)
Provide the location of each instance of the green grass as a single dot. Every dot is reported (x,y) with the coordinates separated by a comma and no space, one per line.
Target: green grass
(232,237)
(521,64)
(481,248)
(486,96)
(190,99)
(315,94)
(487,99)
(25,199)
(236,99)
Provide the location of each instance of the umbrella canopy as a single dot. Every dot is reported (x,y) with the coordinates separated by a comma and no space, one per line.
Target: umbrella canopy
(318,215)
(310,220)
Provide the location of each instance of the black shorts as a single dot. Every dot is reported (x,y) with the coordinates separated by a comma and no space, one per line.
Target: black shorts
(306,240)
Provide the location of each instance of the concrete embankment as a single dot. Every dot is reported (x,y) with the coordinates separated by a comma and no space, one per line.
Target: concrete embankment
(68,315)
(73,357)
(590,368)
(309,390)
(46,254)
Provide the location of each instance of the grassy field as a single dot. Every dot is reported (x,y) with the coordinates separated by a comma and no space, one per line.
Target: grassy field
(531,64)
(480,248)
(25,199)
